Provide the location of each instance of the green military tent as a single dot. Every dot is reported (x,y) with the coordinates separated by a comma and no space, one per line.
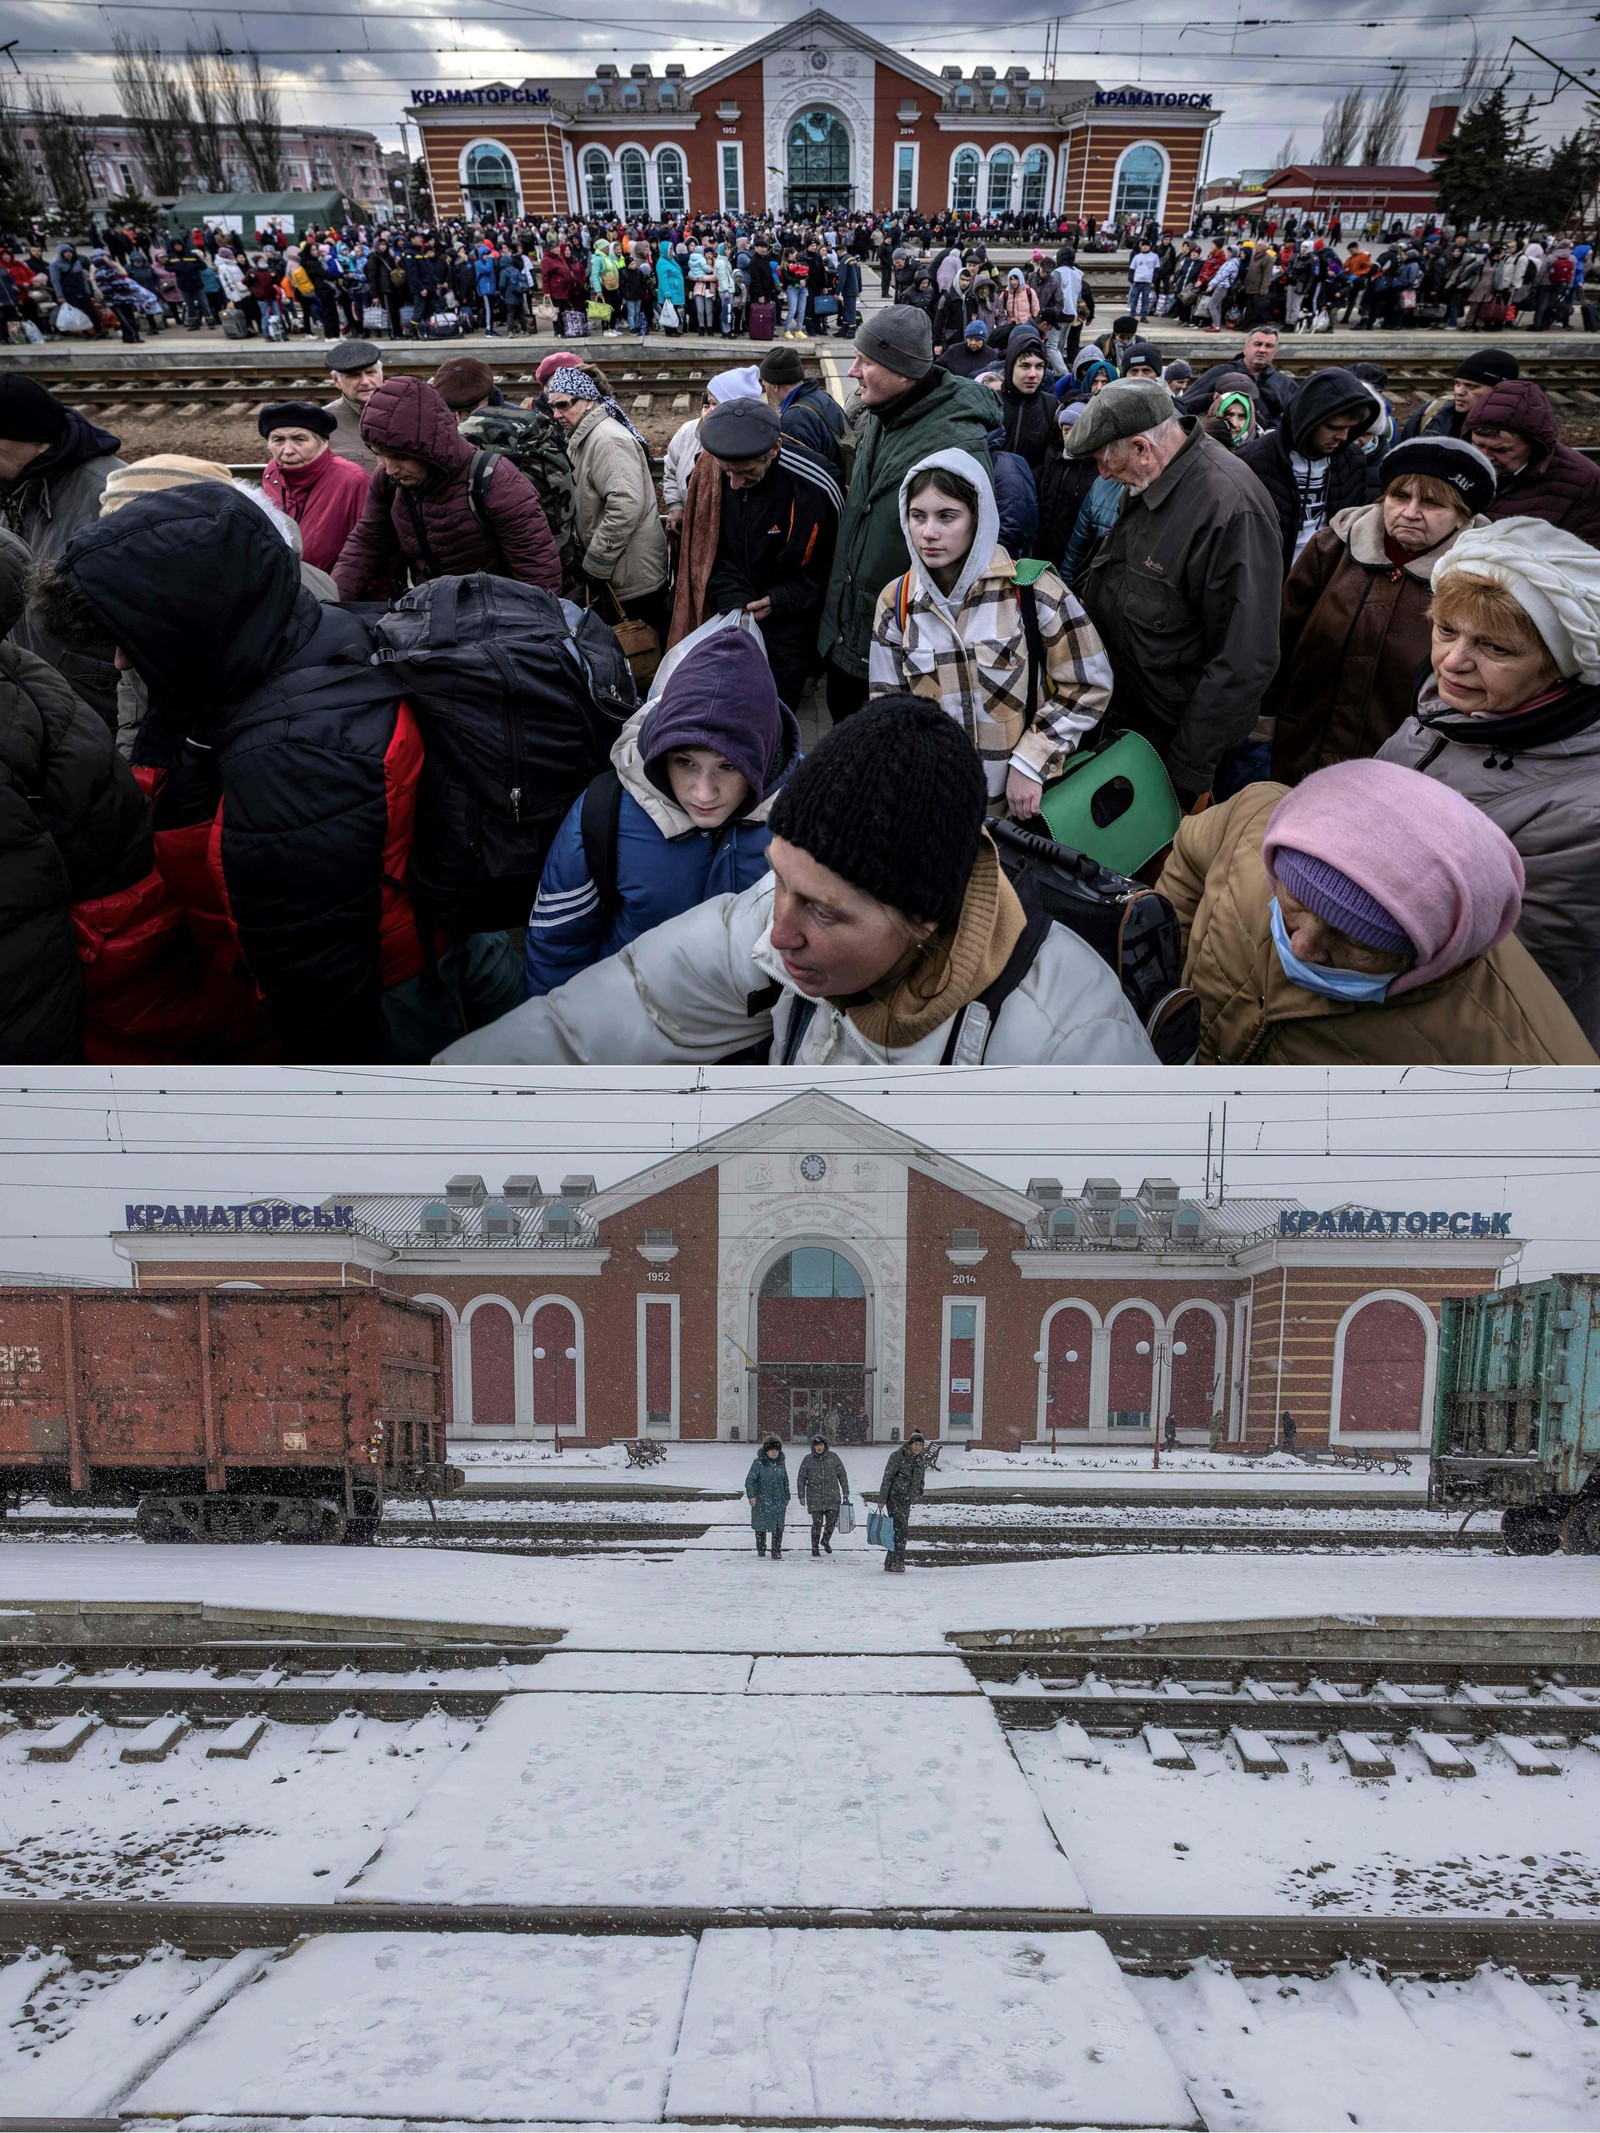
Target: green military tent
(245,213)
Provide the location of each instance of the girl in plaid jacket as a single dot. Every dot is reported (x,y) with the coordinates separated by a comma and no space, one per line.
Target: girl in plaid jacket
(954,629)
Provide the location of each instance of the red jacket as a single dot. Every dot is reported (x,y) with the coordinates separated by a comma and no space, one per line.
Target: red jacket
(431,530)
(325,500)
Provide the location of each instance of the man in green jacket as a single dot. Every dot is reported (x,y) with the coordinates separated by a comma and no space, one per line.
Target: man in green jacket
(912,409)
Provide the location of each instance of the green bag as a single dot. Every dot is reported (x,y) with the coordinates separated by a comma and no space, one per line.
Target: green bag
(1114,802)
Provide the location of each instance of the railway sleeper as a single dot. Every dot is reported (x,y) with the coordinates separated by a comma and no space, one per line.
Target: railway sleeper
(247,1520)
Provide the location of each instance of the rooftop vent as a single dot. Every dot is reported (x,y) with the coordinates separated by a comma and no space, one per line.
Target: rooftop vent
(523,1189)
(594,94)
(499,1223)
(640,70)
(1101,1192)
(466,1191)
(1125,1225)
(1063,1225)
(437,1220)
(605,71)
(1016,74)
(676,70)
(1047,1191)
(1188,1224)
(983,73)
(1158,1193)
(560,1220)
(577,1187)
(950,73)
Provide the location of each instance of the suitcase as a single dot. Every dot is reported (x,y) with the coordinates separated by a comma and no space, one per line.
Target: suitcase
(763,321)
(235,326)
(1591,318)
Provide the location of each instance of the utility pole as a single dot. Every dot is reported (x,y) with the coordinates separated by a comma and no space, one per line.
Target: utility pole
(1207,1194)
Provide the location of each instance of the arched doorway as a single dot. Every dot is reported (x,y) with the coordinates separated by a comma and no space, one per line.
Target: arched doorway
(554,1330)
(810,1368)
(1069,1358)
(819,162)
(1383,1354)
(492,1345)
(1196,1390)
(1130,1400)
(491,183)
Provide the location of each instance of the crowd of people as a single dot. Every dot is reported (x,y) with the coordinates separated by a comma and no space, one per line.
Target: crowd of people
(457,738)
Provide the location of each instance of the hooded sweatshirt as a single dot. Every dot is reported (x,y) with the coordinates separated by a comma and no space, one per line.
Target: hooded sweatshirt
(1028,421)
(967,649)
(721,696)
(1558,484)
(1307,491)
(432,531)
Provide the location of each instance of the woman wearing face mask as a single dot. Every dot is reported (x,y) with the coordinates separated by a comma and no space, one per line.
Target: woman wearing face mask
(1353,625)
(680,816)
(1509,716)
(953,630)
(1360,919)
(885,933)
(766,1489)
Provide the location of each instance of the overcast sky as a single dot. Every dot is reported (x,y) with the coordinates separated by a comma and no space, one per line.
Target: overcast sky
(76,1146)
(354,61)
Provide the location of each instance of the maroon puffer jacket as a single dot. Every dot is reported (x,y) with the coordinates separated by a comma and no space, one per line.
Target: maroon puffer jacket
(1558,484)
(430,532)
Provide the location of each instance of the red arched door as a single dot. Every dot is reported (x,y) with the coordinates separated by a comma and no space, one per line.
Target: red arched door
(1385,1370)
(492,1340)
(1069,1348)
(555,1368)
(1130,1401)
(1197,1373)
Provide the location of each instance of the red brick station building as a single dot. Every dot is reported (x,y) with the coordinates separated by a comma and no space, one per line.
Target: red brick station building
(815,1268)
(816,116)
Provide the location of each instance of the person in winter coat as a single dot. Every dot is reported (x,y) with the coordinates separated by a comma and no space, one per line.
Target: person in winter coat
(286,763)
(419,519)
(904,1475)
(75,840)
(53,467)
(759,531)
(1275,389)
(808,412)
(1509,717)
(884,919)
(952,630)
(323,494)
(1311,465)
(693,778)
(1361,919)
(1184,588)
(822,1485)
(683,449)
(1027,423)
(912,409)
(624,548)
(1540,477)
(1096,515)
(1353,627)
(1477,375)
(766,1489)
(971,356)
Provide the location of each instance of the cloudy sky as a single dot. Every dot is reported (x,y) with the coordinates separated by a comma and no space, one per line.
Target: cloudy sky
(76,1146)
(354,61)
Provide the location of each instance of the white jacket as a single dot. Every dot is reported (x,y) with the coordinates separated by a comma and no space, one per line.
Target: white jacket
(678,464)
(710,984)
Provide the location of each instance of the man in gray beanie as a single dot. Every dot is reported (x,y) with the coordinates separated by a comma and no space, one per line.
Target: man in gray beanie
(1184,589)
(912,408)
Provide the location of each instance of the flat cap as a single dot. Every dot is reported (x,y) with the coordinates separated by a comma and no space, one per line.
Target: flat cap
(462,381)
(296,415)
(354,355)
(1127,407)
(741,429)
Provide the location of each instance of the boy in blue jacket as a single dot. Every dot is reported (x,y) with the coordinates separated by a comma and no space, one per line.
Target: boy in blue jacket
(680,817)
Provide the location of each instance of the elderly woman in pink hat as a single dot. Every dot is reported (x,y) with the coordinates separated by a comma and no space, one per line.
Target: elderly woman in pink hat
(1364,918)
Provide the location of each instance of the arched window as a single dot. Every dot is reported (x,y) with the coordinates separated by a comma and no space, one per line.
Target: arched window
(1001,166)
(1035,173)
(669,181)
(1382,1369)
(597,181)
(819,160)
(1140,178)
(812,1270)
(491,185)
(1069,1351)
(494,1371)
(555,1368)
(964,181)
(1133,1361)
(1196,1374)
(635,192)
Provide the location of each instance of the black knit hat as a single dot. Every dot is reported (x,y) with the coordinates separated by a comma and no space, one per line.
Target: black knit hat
(1449,459)
(893,802)
(28,414)
(1488,366)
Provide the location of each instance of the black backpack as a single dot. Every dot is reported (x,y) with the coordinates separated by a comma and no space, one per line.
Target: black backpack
(1127,925)
(519,697)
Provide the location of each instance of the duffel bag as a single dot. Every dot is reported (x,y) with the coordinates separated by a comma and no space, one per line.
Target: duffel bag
(519,696)
(1128,926)
(880,1530)
(375,317)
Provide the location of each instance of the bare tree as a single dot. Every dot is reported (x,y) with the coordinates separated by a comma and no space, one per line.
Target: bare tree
(19,195)
(150,91)
(251,102)
(1288,149)
(1341,128)
(203,81)
(64,143)
(1479,76)
(1384,123)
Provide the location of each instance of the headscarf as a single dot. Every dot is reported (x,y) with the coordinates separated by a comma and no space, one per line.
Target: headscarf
(1553,576)
(578,385)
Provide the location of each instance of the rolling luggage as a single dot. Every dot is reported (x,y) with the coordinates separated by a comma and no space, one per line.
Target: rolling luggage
(235,326)
(763,321)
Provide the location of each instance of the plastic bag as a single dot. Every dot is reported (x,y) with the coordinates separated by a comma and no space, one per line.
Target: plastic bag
(69,319)
(667,319)
(846,1522)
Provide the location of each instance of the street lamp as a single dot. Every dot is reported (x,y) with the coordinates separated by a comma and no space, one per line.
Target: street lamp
(1042,1359)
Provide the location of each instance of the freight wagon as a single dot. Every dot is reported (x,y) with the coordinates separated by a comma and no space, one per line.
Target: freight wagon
(1517,1412)
(224,1414)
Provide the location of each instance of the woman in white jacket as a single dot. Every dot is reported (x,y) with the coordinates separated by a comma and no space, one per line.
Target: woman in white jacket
(678,463)
(886,933)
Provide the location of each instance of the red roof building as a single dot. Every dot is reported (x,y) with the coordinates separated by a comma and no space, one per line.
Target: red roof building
(1353,188)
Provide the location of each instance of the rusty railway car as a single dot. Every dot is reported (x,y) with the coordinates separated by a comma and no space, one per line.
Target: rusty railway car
(224,1414)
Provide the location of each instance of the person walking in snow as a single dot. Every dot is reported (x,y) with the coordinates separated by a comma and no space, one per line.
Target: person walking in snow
(766,1488)
(822,1485)
(903,1476)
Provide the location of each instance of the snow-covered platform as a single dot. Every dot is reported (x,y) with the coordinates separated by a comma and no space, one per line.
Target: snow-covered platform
(718,1802)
